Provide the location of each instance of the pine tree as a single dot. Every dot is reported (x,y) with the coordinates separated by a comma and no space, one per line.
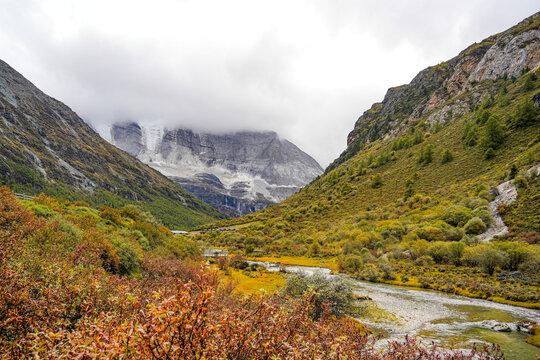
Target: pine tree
(493,133)
(526,115)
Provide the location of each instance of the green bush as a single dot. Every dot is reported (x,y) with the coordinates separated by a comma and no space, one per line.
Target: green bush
(353,263)
(486,257)
(483,213)
(470,134)
(457,215)
(489,154)
(475,226)
(425,260)
(447,156)
(425,156)
(376,181)
(482,116)
(520,182)
(430,233)
(42,210)
(130,260)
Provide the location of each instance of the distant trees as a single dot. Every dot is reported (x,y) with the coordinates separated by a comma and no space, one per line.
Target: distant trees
(482,116)
(489,154)
(425,155)
(529,82)
(470,134)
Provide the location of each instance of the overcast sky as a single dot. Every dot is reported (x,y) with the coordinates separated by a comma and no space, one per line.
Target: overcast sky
(305,69)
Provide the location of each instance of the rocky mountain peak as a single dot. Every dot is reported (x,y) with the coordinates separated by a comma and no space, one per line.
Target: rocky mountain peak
(237,172)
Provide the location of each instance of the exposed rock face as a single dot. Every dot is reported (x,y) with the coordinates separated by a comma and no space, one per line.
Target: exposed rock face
(505,55)
(237,173)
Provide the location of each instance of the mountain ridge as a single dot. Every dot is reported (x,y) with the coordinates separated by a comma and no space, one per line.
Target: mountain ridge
(514,50)
(46,147)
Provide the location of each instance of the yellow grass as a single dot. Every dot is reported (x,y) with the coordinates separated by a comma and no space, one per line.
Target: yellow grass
(264,282)
(330,263)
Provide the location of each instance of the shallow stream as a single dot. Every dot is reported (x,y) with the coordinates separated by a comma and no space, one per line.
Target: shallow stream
(448,320)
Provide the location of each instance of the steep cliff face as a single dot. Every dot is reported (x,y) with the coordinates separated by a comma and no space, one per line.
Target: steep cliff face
(46,147)
(237,173)
(434,92)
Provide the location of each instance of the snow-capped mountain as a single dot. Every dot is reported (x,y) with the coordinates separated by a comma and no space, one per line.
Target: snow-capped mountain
(237,173)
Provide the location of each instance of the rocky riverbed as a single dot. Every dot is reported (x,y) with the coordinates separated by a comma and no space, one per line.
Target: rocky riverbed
(448,320)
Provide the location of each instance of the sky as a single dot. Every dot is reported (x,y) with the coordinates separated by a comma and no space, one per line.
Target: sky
(306,69)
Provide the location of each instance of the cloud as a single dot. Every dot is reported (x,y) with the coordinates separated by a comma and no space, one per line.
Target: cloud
(306,69)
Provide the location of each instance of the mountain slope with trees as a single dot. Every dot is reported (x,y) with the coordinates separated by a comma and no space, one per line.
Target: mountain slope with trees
(47,148)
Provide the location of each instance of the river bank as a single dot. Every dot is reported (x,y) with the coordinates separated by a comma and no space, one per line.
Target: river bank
(412,281)
(445,319)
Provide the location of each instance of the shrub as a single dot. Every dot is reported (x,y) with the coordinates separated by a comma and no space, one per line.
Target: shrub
(42,210)
(370,273)
(513,171)
(425,156)
(476,202)
(520,182)
(489,154)
(447,156)
(486,257)
(391,229)
(353,263)
(483,213)
(387,271)
(457,215)
(431,233)
(336,291)
(408,192)
(111,214)
(475,226)
(418,137)
(376,181)
(482,116)
(455,252)
(130,260)
(517,252)
(315,249)
(470,134)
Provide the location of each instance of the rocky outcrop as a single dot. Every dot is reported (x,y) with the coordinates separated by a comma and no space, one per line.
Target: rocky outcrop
(237,173)
(506,193)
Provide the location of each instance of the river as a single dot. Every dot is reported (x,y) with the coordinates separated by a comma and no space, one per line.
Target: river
(446,319)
